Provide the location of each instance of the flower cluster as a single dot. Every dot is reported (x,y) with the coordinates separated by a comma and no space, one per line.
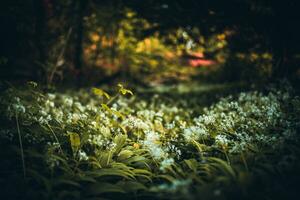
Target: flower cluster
(135,123)
(194,133)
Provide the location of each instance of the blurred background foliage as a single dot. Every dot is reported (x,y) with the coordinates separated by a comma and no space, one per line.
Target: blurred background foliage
(148,42)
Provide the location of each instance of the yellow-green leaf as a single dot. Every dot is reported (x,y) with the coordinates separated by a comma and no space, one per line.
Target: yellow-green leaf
(124,154)
(74,140)
(114,112)
(118,114)
(120,141)
(100,92)
(106,107)
(123,90)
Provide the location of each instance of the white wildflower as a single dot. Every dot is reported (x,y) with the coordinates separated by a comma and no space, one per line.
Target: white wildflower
(194,133)
(135,123)
(221,141)
(166,163)
(82,155)
(51,96)
(152,143)
(68,101)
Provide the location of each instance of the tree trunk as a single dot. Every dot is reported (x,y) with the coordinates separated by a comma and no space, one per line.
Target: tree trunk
(40,27)
(78,57)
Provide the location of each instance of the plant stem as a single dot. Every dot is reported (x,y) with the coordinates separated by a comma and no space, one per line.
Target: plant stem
(227,157)
(112,99)
(244,161)
(21,146)
(55,137)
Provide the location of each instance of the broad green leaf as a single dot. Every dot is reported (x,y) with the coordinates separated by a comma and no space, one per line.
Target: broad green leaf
(74,141)
(198,146)
(124,154)
(142,171)
(192,164)
(135,159)
(223,166)
(86,179)
(123,128)
(105,158)
(122,166)
(120,141)
(169,178)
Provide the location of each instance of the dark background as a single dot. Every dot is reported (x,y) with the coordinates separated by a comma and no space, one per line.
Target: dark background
(38,34)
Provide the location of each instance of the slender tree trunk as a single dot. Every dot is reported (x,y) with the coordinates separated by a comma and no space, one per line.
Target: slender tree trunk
(40,28)
(78,57)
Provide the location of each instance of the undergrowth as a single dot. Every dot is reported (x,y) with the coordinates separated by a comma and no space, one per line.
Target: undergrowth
(89,144)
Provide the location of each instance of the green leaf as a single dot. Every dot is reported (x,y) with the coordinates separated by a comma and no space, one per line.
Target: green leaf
(105,107)
(135,159)
(132,186)
(74,141)
(123,128)
(124,154)
(169,178)
(143,173)
(123,90)
(102,187)
(114,112)
(223,166)
(86,179)
(60,182)
(105,158)
(111,172)
(158,126)
(100,92)
(118,114)
(120,141)
(198,146)
(192,164)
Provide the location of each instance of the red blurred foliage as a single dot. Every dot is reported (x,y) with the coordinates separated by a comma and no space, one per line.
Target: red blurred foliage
(200,62)
(197,59)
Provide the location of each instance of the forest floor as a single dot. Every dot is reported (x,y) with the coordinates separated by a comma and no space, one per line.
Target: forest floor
(227,141)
